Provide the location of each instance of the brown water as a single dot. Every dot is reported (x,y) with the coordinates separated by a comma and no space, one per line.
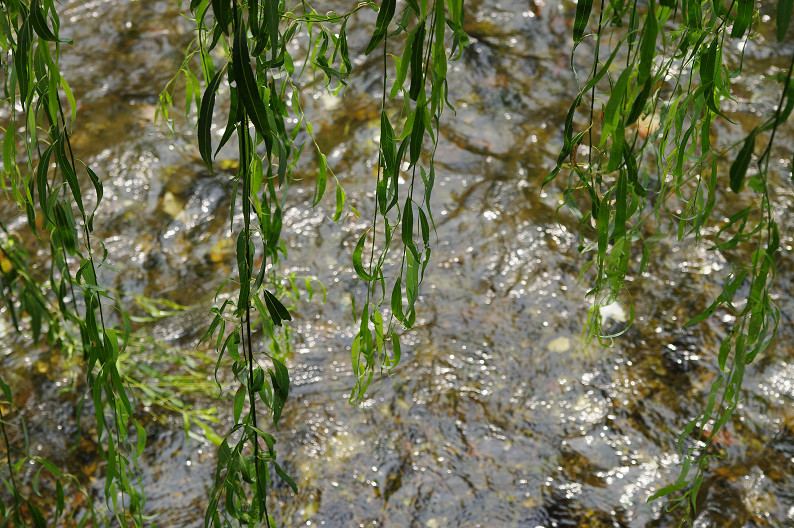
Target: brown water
(499,414)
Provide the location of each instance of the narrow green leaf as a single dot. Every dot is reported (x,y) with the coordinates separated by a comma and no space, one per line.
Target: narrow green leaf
(38,518)
(397,300)
(286,478)
(239,400)
(60,502)
(744,15)
(742,162)
(357,264)
(603,226)
(6,391)
(385,14)
(614,106)
(402,64)
(639,103)
(205,118)
(280,379)
(395,340)
(272,17)
(42,182)
(22,61)
(583,8)
(340,202)
(783,18)
(39,22)
(407,225)
(141,443)
(680,483)
(247,87)
(274,305)
(322,179)
(387,142)
(648,45)
(417,135)
(68,171)
(727,294)
(417,64)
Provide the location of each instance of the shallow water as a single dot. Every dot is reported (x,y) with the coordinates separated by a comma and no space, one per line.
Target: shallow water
(499,414)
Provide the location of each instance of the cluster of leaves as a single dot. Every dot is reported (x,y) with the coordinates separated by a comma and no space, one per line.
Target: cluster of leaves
(425,55)
(653,160)
(23,508)
(61,301)
(675,78)
(71,306)
(257,74)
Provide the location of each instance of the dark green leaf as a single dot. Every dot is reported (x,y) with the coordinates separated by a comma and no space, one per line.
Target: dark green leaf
(274,306)
(783,18)
(648,45)
(68,171)
(417,65)
(385,15)
(246,84)
(414,5)
(286,478)
(43,183)
(742,162)
(744,15)
(639,103)
(205,118)
(387,142)
(259,380)
(22,61)
(239,400)
(417,135)
(39,22)
(583,8)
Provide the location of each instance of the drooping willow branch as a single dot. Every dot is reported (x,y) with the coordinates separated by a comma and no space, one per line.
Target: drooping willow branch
(668,97)
(257,39)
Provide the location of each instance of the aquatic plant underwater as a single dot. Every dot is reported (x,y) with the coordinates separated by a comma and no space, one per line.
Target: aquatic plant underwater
(642,154)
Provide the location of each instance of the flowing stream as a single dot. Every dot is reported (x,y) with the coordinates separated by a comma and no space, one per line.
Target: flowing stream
(499,415)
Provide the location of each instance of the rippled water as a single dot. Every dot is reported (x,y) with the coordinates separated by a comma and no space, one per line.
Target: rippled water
(499,415)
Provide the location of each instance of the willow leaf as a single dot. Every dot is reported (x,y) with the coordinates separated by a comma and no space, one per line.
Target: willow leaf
(615,105)
(205,118)
(583,8)
(286,478)
(322,179)
(783,18)
(648,45)
(744,15)
(246,83)
(742,162)
(39,22)
(357,264)
(417,66)
(274,304)
(385,15)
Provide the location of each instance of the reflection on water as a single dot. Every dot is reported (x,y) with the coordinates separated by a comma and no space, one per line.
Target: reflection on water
(499,414)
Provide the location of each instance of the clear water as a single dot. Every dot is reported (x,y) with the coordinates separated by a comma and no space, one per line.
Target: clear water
(499,415)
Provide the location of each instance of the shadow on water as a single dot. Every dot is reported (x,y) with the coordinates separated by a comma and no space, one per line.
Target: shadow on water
(499,415)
